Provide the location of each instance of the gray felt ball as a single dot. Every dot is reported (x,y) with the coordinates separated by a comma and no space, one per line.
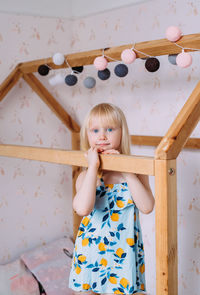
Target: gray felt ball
(172,58)
(89,82)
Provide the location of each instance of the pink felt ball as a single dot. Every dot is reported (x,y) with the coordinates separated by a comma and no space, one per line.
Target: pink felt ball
(128,56)
(100,63)
(173,33)
(184,60)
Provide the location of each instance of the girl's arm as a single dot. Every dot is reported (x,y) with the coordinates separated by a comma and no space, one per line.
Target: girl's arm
(140,191)
(86,183)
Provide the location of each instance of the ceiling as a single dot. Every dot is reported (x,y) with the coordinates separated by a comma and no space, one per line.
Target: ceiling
(70,9)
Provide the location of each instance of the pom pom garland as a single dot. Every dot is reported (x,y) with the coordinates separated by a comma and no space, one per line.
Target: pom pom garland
(184,59)
(173,33)
(43,70)
(58,59)
(172,58)
(100,63)
(121,70)
(57,79)
(89,82)
(77,70)
(104,75)
(152,64)
(128,56)
(71,80)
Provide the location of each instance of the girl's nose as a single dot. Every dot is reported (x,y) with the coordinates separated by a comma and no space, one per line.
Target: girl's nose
(102,134)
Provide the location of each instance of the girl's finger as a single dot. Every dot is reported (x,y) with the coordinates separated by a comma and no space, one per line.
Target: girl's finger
(110,152)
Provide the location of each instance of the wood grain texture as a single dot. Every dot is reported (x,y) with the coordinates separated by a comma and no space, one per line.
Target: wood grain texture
(124,163)
(180,130)
(191,143)
(9,82)
(75,172)
(166,228)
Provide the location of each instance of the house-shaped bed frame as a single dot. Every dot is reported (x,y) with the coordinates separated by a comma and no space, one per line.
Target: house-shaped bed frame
(162,165)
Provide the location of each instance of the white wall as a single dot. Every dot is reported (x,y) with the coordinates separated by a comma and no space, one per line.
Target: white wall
(35,198)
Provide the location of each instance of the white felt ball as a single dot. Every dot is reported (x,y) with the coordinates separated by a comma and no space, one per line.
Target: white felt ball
(57,79)
(128,56)
(58,59)
(173,33)
(184,60)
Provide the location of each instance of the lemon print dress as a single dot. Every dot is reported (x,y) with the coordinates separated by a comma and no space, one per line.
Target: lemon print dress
(108,253)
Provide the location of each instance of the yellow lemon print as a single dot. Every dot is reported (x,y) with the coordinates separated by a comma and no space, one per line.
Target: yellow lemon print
(85,242)
(130,241)
(130,201)
(102,247)
(142,268)
(142,286)
(103,262)
(85,221)
(119,252)
(120,204)
(115,217)
(78,270)
(82,258)
(80,233)
(110,186)
(86,286)
(113,280)
(118,292)
(124,282)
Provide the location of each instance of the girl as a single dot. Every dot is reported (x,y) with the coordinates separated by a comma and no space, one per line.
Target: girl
(108,255)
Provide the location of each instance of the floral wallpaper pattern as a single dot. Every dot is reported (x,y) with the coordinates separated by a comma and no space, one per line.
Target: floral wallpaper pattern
(35,197)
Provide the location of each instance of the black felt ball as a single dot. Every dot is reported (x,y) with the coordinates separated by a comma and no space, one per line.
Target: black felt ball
(78,69)
(71,80)
(104,74)
(152,64)
(43,70)
(121,70)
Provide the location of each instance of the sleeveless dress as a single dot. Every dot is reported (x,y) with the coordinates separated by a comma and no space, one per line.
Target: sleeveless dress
(108,253)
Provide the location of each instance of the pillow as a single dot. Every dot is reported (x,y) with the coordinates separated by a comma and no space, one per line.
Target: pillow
(51,265)
(16,279)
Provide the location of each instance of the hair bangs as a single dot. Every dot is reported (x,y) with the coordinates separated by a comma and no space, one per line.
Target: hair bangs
(106,115)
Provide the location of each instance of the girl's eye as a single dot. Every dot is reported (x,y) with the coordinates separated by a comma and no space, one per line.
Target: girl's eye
(109,129)
(95,130)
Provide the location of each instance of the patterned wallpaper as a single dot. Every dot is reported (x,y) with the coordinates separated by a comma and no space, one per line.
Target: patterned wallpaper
(35,197)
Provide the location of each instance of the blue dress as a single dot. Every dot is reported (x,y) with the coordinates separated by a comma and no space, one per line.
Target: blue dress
(108,253)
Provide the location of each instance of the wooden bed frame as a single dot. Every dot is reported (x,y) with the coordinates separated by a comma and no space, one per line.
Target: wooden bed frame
(162,165)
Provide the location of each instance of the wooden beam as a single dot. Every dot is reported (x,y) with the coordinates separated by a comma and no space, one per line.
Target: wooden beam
(182,127)
(192,143)
(51,102)
(166,227)
(135,164)
(75,172)
(9,82)
(153,48)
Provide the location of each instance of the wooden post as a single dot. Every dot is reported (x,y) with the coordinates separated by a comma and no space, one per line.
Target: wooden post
(166,228)
(75,137)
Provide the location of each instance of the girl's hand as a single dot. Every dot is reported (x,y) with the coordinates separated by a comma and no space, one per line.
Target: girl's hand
(92,158)
(112,151)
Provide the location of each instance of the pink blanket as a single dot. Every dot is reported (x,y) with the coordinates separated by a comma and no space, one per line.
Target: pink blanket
(51,265)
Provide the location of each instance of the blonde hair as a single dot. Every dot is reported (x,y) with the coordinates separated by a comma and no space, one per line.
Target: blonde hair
(112,115)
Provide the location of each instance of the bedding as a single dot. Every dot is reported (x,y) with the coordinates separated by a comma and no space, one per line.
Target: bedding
(51,264)
(16,279)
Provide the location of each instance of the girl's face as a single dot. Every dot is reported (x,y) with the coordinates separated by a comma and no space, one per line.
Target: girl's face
(103,136)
